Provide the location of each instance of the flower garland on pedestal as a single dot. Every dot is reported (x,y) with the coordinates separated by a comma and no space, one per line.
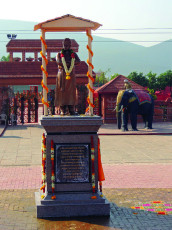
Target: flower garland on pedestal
(68,71)
(52,171)
(101,176)
(43,163)
(93,169)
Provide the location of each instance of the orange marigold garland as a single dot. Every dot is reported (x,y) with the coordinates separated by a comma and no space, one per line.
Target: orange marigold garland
(43,162)
(90,64)
(43,41)
(44,71)
(52,171)
(89,35)
(88,74)
(93,169)
(89,87)
(91,52)
(89,102)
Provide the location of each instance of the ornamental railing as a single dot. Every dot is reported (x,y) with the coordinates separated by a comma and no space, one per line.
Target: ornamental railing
(24,108)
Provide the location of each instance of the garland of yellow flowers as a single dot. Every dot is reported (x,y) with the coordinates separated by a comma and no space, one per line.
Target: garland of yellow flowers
(43,163)
(68,71)
(43,70)
(53,197)
(88,74)
(93,169)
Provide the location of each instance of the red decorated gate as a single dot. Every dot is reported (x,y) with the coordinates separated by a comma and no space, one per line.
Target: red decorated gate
(25,106)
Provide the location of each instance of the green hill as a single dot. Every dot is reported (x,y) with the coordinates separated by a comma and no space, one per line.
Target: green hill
(121,57)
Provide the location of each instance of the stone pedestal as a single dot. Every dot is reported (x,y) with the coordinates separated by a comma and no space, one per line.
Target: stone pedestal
(73,168)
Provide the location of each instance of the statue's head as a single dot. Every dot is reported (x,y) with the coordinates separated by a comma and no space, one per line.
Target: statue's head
(67,43)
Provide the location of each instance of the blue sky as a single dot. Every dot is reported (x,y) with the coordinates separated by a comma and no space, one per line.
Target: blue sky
(112,14)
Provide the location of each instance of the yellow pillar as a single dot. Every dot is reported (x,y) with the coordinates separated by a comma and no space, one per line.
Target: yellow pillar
(43,74)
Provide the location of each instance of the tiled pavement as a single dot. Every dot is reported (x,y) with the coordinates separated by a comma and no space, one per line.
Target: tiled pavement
(117,176)
(137,169)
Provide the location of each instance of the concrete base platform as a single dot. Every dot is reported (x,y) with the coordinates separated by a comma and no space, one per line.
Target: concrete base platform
(71,204)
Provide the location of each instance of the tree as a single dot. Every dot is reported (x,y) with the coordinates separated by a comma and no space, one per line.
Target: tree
(101,78)
(152,81)
(138,78)
(5,58)
(164,79)
(114,76)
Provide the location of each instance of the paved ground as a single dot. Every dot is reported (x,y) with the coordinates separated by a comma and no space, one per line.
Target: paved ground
(158,128)
(137,168)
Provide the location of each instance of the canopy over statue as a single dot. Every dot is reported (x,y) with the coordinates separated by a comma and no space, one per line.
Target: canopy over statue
(68,23)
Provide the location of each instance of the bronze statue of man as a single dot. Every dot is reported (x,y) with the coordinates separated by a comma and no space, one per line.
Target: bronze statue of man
(65,96)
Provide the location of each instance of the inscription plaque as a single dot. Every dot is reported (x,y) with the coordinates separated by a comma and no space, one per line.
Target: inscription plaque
(72,163)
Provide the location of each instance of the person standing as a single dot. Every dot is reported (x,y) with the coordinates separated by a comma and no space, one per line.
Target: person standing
(127,85)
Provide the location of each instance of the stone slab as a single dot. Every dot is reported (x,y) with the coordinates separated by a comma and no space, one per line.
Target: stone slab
(71,124)
(70,205)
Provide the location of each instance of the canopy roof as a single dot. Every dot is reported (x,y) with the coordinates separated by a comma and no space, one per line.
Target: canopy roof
(68,23)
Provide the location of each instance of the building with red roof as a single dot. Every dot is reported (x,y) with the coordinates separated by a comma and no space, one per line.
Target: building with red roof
(105,97)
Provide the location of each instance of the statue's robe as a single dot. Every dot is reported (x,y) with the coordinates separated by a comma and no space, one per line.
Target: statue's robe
(65,88)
